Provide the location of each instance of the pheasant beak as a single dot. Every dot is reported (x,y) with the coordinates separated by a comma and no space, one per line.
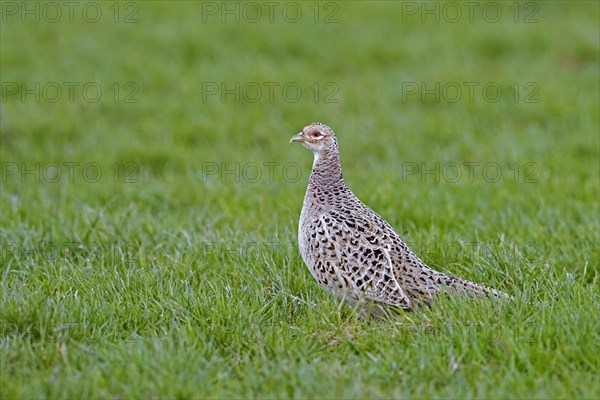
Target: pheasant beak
(297,138)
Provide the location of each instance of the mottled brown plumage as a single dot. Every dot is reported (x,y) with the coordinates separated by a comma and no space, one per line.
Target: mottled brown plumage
(354,253)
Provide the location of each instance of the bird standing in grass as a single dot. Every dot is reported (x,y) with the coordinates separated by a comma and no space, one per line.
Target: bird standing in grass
(354,253)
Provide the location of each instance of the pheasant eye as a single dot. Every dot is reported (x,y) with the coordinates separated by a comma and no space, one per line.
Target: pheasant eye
(316,135)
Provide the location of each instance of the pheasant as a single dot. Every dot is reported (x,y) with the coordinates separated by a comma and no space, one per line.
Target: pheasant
(354,253)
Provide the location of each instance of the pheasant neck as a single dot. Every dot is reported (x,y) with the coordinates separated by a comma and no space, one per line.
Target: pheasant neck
(326,170)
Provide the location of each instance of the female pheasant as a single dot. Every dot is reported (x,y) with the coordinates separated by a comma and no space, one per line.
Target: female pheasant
(354,253)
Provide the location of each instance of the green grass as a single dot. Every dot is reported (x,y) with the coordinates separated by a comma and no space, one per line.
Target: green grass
(160,280)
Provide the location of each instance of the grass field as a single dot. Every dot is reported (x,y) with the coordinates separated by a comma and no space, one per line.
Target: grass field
(150,198)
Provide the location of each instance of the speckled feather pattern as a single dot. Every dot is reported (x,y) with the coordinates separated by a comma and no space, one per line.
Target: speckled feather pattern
(354,253)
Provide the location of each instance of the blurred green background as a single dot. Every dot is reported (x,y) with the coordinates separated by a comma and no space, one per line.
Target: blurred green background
(163,127)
